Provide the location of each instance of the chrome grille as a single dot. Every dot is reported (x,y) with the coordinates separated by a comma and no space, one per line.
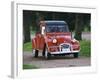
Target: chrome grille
(65,46)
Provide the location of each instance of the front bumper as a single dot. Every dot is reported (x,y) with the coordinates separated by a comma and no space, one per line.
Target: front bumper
(58,49)
(65,52)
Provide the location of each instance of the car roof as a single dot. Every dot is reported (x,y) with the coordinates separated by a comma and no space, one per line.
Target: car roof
(54,22)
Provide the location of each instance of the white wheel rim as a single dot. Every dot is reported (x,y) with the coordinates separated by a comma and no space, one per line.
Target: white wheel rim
(33,52)
(46,54)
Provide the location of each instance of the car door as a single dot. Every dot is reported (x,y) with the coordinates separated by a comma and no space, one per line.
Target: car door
(41,46)
(38,39)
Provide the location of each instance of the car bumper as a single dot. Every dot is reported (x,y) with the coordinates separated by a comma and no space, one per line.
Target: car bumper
(65,52)
(60,50)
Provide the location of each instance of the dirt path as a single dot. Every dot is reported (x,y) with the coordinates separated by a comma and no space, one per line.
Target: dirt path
(58,61)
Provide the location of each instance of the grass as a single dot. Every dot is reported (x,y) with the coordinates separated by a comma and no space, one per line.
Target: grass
(28,66)
(85,48)
(27,46)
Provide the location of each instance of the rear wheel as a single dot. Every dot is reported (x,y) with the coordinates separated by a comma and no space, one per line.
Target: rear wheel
(35,53)
(43,53)
(76,55)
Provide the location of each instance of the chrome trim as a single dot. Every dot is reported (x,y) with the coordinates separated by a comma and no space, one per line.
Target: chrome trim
(64,52)
(63,44)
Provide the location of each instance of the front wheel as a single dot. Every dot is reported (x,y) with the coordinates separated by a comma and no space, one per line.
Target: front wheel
(76,55)
(47,54)
(35,53)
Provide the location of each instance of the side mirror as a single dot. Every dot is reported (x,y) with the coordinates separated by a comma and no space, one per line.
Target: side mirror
(43,30)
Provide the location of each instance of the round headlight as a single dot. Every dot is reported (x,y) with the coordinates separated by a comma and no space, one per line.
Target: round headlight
(74,40)
(54,40)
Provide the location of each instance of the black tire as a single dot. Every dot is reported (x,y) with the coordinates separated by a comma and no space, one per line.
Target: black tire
(43,53)
(36,54)
(76,55)
(47,54)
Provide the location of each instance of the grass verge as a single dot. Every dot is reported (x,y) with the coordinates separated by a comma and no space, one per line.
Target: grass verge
(27,46)
(28,66)
(85,48)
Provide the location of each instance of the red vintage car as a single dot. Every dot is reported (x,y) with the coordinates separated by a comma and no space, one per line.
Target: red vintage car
(54,38)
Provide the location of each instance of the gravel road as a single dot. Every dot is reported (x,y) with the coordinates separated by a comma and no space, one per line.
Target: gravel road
(55,61)
(58,61)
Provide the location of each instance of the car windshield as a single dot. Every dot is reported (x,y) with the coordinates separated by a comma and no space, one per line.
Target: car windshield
(57,28)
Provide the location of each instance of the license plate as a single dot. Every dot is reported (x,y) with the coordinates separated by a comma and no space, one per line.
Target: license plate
(65,49)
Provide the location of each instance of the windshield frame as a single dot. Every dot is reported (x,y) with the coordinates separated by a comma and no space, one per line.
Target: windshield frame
(66,26)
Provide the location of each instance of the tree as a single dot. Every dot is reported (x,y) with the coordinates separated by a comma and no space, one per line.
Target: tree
(78,26)
(76,21)
(27,22)
(55,16)
(39,17)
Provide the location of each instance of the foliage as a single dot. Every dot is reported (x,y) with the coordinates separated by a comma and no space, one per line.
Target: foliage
(32,32)
(31,20)
(86,29)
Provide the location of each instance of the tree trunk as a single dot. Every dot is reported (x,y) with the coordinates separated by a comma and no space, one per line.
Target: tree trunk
(78,26)
(26,26)
(26,33)
(39,17)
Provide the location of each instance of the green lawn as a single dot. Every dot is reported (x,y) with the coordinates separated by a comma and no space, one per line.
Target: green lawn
(28,66)
(85,48)
(27,46)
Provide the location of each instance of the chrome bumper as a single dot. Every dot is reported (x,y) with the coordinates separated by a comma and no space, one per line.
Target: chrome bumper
(64,52)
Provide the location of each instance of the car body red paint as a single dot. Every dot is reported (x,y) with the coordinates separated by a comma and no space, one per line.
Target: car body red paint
(54,39)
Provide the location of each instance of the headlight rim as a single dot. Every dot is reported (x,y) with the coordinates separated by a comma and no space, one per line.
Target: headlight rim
(54,40)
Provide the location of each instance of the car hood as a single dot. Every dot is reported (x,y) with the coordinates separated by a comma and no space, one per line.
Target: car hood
(60,37)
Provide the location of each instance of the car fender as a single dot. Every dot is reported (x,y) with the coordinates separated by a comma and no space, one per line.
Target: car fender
(46,42)
(34,43)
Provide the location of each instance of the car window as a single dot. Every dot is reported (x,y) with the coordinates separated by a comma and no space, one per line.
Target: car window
(57,28)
